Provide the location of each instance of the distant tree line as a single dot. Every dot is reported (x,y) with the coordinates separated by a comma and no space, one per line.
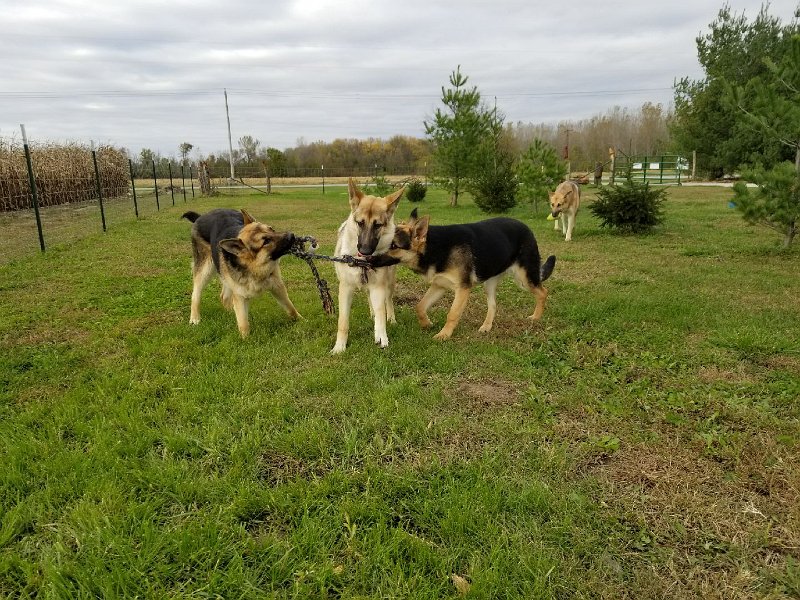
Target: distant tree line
(643,130)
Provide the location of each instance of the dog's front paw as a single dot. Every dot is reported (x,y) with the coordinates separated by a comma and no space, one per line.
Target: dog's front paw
(338,348)
(485,328)
(443,335)
(194,320)
(382,341)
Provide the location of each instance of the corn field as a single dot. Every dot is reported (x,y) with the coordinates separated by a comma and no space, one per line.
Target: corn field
(63,174)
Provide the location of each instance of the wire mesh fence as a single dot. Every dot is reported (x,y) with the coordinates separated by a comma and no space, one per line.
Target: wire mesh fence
(52,194)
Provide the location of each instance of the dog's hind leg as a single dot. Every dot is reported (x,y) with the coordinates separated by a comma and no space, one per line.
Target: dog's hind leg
(541,296)
(345,304)
(390,316)
(378,298)
(430,297)
(454,314)
(241,306)
(202,270)
(490,286)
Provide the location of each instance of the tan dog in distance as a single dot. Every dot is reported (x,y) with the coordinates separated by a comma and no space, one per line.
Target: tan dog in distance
(368,230)
(564,203)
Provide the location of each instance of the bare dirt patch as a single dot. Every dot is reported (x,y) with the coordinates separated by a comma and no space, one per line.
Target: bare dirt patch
(479,396)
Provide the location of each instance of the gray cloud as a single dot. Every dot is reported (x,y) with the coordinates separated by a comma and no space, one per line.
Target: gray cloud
(145,74)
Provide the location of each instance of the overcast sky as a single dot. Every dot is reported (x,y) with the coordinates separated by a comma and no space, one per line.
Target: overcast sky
(150,74)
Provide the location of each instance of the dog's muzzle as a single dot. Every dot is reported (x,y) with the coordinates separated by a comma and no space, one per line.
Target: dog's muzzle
(285,245)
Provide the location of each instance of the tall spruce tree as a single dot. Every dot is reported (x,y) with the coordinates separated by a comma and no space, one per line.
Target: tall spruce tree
(771,104)
(456,132)
(732,53)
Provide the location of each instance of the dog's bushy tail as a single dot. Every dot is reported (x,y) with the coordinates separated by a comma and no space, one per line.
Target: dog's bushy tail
(191,216)
(548,266)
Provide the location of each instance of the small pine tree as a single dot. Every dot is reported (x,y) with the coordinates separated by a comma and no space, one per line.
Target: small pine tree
(495,187)
(539,171)
(416,190)
(631,207)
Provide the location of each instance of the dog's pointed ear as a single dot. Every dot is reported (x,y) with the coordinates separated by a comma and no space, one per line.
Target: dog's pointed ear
(414,216)
(355,194)
(393,199)
(232,246)
(247,217)
(420,230)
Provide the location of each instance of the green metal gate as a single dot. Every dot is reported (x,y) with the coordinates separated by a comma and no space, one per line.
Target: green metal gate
(662,168)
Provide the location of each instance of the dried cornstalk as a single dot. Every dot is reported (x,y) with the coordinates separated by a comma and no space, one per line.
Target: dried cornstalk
(63,173)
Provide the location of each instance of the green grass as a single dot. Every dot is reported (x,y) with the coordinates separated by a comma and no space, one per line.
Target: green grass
(638,442)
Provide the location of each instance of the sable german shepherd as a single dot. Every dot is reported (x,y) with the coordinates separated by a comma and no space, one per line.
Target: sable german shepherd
(459,257)
(564,203)
(245,254)
(368,230)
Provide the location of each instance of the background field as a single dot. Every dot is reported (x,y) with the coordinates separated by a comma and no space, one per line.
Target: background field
(639,442)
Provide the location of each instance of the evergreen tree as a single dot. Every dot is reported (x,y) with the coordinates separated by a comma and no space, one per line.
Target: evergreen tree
(771,104)
(539,171)
(456,132)
(732,53)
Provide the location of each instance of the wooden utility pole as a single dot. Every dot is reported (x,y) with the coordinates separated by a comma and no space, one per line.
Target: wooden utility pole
(230,142)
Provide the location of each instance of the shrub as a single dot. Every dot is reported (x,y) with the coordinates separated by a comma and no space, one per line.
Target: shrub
(632,206)
(495,187)
(416,190)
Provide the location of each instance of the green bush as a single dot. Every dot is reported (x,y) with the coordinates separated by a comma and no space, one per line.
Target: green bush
(495,186)
(632,206)
(416,190)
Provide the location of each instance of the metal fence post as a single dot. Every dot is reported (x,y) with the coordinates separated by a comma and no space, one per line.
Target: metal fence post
(32,181)
(191,179)
(322,168)
(133,187)
(155,185)
(183,184)
(171,187)
(99,188)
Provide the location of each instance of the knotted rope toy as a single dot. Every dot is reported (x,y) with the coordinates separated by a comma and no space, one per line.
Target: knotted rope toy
(298,249)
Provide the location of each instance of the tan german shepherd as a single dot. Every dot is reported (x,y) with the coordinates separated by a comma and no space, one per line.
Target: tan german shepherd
(245,253)
(368,230)
(459,257)
(564,203)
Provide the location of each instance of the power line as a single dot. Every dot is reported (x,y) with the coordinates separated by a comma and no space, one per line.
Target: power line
(30,95)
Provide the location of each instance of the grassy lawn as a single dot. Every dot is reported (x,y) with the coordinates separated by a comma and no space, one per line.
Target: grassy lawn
(641,441)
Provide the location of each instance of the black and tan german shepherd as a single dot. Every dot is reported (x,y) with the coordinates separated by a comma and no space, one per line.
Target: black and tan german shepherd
(245,253)
(459,257)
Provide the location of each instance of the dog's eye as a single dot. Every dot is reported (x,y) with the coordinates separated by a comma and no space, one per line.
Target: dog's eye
(360,223)
(377,225)
(393,246)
